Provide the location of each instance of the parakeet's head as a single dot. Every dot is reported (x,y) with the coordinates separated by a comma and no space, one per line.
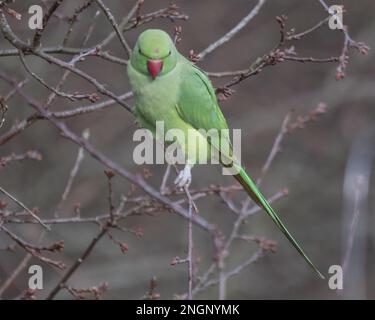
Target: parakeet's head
(154,53)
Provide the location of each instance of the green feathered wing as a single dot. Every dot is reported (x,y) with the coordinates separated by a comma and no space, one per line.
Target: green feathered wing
(197,105)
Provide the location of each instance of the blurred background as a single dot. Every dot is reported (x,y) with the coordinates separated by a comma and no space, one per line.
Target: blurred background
(319,164)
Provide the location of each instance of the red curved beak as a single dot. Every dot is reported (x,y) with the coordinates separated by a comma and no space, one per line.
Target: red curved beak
(154,67)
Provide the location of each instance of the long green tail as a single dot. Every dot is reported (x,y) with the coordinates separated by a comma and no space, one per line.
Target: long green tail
(257,196)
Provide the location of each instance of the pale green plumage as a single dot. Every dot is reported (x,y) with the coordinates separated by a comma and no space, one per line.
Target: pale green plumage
(183,97)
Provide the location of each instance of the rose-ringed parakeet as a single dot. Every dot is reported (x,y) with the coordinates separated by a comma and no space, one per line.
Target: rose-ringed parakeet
(167,87)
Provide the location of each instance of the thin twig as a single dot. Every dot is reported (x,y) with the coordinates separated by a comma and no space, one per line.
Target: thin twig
(190,257)
(9,280)
(232,32)
(163,186)
(113,22)
(73,173)
(71,97)
(275,149)
(62,282)
(31,154)
(299,36)
(14,199)
(35,251)
(46,17)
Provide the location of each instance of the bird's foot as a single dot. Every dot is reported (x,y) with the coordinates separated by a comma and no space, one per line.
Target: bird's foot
(184,177)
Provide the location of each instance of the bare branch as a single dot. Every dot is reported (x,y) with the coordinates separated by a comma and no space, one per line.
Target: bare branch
(46,17)
(232,32)
(14,199)
(112,21)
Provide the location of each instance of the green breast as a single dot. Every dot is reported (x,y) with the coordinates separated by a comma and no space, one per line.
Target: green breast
(156,100)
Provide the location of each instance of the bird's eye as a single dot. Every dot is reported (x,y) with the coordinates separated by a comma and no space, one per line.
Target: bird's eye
(140,51)
(170,52)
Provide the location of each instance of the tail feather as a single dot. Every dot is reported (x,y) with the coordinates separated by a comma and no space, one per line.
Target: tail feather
(257,196)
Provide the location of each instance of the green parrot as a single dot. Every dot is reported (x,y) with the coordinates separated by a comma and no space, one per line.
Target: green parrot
(167,87)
